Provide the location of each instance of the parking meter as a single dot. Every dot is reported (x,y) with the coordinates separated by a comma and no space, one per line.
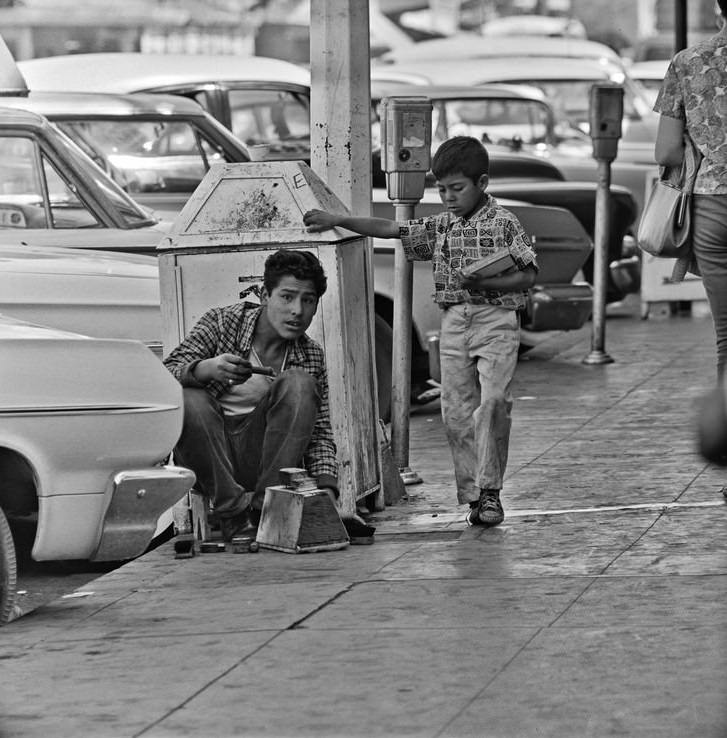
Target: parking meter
(406,140)
(606,113)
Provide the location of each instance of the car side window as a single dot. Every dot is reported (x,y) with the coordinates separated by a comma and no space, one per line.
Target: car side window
(67,210)
(32,192)
(21,191)
(268,116)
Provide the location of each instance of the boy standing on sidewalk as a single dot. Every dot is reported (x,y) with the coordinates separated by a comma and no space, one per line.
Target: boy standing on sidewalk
(480,333)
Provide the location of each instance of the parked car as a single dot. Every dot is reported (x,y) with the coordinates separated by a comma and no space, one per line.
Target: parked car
(87,426)
(97,293)
(662,45)
(566,88)
(155,147)
(650,74)
(263,101)
(477,46)
(565,83)
(534,25)
(51,193)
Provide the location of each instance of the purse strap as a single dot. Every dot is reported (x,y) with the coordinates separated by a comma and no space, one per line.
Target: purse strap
(684,176)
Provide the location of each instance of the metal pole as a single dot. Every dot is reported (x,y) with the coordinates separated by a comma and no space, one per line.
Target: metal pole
(401,351)
(598,353)
(680,25)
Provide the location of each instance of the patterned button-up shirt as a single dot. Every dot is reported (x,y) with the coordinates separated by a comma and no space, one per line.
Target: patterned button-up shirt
(451,243)
(230,330)
(694,90)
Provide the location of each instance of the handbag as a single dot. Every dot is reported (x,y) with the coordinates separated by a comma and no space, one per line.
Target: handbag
(665,225)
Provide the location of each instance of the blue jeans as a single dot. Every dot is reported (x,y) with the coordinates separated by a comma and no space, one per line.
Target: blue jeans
(478,353)
(709,238)
(235,458)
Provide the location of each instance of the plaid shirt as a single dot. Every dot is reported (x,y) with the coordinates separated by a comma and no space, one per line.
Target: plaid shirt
(229,330)
(451,243)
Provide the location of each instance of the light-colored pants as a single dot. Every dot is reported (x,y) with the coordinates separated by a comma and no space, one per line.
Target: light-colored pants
(478,354)
(709,238)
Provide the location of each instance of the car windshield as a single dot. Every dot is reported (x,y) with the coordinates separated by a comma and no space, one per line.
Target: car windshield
(147,155)
(498,121)
(570,98)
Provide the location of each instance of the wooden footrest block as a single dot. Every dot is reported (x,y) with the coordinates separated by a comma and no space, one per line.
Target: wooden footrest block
(300,520)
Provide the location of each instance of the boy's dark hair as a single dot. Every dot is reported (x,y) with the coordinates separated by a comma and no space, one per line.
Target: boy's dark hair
(298,264)
(461,155)
(722,7)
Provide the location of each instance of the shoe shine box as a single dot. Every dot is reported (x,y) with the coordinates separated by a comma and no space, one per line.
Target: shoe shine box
(489,266)
(298,517)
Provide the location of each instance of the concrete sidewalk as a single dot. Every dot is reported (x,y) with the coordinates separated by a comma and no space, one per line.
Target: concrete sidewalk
(596,609)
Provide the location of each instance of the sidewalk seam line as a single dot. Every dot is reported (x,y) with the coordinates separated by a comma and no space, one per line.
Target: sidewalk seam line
(330,600)
(485,687)
(204,687)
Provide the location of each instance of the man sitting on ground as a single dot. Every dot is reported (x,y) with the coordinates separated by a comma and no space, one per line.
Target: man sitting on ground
(241,426)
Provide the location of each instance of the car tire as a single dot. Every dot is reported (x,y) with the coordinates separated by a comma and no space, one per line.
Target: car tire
(8,572)
(384,341)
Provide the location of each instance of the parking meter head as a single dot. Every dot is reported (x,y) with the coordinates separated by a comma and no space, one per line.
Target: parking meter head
(406,139)
(605,116)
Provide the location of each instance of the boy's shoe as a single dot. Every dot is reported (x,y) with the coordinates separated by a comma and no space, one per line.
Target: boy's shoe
(472,518)
(489,509)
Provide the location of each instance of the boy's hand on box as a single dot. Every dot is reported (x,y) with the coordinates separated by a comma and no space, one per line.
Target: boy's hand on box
(318,220)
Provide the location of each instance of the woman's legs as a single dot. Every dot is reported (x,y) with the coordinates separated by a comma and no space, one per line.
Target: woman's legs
(709,229)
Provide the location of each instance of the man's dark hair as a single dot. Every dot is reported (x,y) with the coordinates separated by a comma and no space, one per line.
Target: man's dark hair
(462,155)
(722,7)
(298,264)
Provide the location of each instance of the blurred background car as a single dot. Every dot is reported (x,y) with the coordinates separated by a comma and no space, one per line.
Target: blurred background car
(87,427)
(532,24)
(660,46)
(650,75)
(566,87)
(263,101)
(477,46)
(565,83)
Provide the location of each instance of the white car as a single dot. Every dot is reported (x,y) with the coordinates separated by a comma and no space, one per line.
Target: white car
(96,293)
(477,46)
(263,101)
(86,428)
(650,74)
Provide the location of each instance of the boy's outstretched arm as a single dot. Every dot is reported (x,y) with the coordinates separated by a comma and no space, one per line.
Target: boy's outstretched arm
(319,220)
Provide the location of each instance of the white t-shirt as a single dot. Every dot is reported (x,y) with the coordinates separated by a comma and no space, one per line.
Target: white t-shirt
(241,399)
